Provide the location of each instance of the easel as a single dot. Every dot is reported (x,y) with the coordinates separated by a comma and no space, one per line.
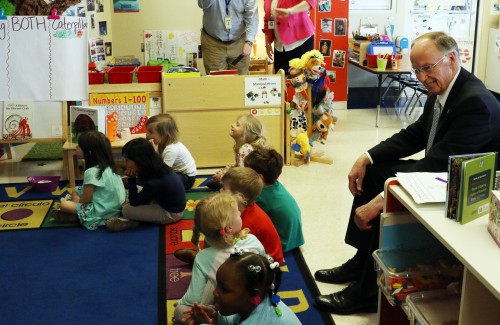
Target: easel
(297,159)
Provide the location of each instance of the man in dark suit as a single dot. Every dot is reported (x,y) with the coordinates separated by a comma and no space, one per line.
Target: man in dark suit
(467,121)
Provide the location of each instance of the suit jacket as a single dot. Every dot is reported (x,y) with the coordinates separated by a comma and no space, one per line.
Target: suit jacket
(469,123)
(291,29)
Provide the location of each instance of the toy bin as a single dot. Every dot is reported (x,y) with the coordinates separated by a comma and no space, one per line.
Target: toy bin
(121,75)
(147,74)
(401,272)
(371,60)
(43,184)
(96,78)
(434,307)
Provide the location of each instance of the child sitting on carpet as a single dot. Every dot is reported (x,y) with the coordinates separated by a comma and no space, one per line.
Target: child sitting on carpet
(274,199)
(162,131)
(247,182)
(218,218)
(102,193)
(247,134)
(162,198)
(246,292)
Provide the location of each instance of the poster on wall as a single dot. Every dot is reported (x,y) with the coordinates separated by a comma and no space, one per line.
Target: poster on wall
(123,6)
(457,25)
(43,59)
(175,46)
(263,91)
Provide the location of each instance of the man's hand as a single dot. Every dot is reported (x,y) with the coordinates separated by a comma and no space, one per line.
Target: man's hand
(247,49)
(357,174)
(366,213)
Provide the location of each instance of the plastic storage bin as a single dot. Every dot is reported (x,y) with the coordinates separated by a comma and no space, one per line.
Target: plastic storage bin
(96,78)
(147,74)
(434,307)
(121,75)
(401,272)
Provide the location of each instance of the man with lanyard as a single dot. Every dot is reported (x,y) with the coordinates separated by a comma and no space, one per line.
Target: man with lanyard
(229,29)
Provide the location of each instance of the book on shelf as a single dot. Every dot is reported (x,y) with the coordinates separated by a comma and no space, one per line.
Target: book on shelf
(84,118)
(454,179)
(477,181)
(17,118)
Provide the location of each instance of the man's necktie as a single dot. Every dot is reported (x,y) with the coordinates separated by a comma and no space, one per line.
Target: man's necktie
(435,120)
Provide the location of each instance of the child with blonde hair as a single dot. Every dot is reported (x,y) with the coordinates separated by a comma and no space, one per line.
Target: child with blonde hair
(162,131)
(247,134)
(247,182)
(102,194)
(217,217)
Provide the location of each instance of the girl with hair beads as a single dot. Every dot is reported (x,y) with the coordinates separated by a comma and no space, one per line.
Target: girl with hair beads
(246,293)
(102,193)
(218,218)
(162,131)
(247,134)
(162,198)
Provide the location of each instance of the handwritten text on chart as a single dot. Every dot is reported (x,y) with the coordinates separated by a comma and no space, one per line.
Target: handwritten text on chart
(27,23)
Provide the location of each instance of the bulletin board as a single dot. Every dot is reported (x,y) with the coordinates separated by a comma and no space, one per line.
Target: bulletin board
(43,59)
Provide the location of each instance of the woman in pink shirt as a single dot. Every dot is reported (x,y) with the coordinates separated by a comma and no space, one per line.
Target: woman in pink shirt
(288,26)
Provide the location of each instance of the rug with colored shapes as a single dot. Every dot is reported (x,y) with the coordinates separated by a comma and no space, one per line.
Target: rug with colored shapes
(297,290)
(23,208)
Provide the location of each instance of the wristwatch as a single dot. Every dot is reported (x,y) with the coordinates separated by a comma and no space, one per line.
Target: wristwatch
(249,43)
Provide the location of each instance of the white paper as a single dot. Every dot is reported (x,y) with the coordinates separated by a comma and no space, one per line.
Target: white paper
(43,59)
(424,187)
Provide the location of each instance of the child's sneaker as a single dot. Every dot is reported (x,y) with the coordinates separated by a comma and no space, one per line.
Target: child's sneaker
(61,216)
(119,224)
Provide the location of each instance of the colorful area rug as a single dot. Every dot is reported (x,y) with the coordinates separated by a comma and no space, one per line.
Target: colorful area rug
(23,208)
(297,290)
(89,277)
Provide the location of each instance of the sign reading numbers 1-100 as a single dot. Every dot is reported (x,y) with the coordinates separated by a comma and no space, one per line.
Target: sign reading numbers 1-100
(131,107)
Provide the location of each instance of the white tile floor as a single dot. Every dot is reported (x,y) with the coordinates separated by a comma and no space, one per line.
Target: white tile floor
(320,189)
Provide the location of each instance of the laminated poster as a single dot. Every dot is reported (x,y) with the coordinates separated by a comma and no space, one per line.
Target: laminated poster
(263,91)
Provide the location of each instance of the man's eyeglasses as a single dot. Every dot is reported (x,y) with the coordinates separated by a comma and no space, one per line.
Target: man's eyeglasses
(427,68)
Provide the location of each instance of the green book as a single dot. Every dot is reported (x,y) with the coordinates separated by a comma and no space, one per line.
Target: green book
(478,179)
(454,180)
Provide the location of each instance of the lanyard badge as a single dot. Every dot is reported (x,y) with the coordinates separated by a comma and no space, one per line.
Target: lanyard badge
(271,23)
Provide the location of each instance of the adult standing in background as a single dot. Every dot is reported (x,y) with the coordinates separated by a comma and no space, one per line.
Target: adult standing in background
(229,29)
(287,24)
(460,117)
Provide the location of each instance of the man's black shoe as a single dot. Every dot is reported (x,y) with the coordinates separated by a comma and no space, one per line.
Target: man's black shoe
(344,304)
(347,272)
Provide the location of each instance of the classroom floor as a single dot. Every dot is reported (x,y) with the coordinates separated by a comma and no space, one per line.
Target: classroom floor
(320,189)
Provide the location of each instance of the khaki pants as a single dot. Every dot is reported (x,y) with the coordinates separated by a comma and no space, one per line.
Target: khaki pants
(152,212)
(218,55)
